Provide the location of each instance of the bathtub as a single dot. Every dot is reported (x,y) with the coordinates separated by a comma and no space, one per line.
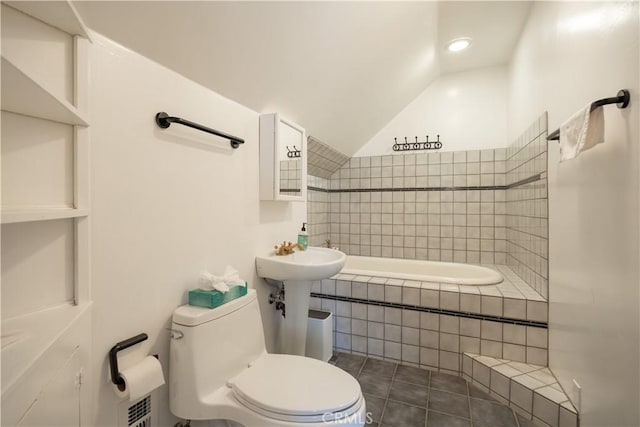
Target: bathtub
(424,271)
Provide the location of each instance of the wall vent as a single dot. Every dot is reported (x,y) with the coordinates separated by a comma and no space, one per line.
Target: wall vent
(140,413)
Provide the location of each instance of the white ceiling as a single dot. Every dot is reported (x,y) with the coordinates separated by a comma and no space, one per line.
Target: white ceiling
(342,70)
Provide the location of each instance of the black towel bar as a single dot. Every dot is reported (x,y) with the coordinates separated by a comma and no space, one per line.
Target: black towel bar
(113,358)
(164,120)
(622,100)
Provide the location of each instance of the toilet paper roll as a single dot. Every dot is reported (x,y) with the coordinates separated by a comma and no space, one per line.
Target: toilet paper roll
(141,379)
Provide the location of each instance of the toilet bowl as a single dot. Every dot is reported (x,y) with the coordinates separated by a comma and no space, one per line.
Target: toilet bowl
(220,369)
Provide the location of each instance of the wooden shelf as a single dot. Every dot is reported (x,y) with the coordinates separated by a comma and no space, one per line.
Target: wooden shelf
(12,216)
(59,14)
(23,94)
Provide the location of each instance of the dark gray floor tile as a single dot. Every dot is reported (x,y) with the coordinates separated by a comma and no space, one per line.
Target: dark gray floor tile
(375,406)
(447,400)
(409,374)
(351,363)
(476,392)
(488,414)
(450,403)
(374,385)
(437,419)
(400,415)
(448,382)
(524,422)
(379,367)
(409,393)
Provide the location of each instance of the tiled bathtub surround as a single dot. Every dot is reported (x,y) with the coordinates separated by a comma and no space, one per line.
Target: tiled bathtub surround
(437,206)
(486,206)
(317,210)
(431,325)
(527,207)
(531,390)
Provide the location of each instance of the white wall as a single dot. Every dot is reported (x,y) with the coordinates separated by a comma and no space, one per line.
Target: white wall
(572,53)
(468,110)
(167,204)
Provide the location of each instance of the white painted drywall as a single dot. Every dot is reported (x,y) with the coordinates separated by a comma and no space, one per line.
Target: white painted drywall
(468,110)
(572,53)
(167,204)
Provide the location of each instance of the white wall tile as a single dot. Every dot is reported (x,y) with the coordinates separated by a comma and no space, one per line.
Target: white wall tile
(429,339)
(393,315)
(375,313)
(469,345)
(546,410)
(392,350)
(359,327)
(429,357)
(481,373)
(470,327)
(522,396)
(375,292)
(375,347)
(500,384)
(470,303)
(514,334)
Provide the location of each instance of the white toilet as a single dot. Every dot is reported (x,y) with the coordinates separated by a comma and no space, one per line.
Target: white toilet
(220,369)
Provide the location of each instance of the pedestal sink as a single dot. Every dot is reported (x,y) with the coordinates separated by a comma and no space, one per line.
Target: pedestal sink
(298,271)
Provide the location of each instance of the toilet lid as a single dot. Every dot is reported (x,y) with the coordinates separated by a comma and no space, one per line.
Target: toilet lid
(296,388)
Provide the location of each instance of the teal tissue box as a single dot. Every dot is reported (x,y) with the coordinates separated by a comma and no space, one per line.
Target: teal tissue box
(213,298)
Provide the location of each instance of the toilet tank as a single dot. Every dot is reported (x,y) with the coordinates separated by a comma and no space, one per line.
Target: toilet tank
(209,346)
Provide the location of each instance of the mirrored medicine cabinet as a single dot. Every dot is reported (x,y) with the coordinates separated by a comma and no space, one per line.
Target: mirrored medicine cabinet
(283,159)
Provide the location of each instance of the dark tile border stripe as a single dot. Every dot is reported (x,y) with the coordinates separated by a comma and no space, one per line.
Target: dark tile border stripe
(462,188)
(499,319)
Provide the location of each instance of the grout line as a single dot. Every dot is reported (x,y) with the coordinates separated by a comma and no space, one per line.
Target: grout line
(386,401)
(469,402)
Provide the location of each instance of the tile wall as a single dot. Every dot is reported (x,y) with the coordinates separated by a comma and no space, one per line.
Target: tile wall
(531,390)
(431,325)
(437,206)
(487,206)
(318,210)
(527,206)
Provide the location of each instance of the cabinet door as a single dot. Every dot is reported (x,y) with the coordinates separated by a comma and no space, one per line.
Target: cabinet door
(58,404)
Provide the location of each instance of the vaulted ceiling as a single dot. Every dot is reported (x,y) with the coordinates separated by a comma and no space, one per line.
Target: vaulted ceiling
(342,70)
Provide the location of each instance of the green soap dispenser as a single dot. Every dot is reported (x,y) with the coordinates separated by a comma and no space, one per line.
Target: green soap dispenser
(303,237)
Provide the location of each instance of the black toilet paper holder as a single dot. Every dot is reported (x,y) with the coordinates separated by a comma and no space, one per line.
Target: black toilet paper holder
(116,378)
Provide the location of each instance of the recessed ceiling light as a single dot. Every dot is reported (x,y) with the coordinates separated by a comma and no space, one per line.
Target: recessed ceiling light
(456,45)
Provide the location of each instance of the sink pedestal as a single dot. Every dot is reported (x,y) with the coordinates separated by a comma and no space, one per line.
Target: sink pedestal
(296,298)
(298,271)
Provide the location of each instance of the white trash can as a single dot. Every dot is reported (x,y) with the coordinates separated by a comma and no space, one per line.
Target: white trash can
(320,335)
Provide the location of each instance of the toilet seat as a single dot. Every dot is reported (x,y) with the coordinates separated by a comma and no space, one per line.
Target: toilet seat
(297,389)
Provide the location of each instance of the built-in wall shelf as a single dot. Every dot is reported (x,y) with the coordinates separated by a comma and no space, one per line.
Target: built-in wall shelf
(23,94)
(46,332)
(59,14)
(12,216)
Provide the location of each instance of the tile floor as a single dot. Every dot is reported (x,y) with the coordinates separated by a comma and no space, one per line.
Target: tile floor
(403,396)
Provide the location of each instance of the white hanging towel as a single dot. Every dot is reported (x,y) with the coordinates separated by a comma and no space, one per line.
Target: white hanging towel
(583,130)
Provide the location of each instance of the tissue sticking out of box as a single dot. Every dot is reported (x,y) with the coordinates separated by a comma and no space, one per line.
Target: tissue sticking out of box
(208,281)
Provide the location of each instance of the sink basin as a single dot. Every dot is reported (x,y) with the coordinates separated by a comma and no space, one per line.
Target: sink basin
(312,264)
(298,271)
